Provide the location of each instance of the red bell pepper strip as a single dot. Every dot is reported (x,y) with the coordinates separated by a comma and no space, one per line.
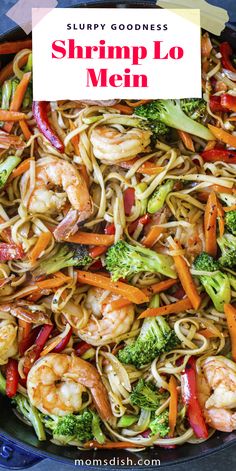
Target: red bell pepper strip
(10,252)
(228,101)
(214,155)
(40,341)
(41,117)
(189,395)
(63,343)
(96,266)
(144,220)
(12,377)
(81,348)
(129,199)
(226,52)
(216,105)
(110,229)
(28,341)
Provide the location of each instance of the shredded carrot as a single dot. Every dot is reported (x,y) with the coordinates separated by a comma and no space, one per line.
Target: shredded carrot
(229,208)
(97,251)
(152,236)
(40,246)
(51,283)
(206,45)
(137,103)
(12,47)
(208,334)
(111,445)
(210,224)
(230,312)
(186,280)
(22,168)
(6,115)
(26,328)
(173,308)
(6,233)
(223,189)
(25,129)
(187,140)
(220,217)
(133,294)
(59,274)
(8,140)
(210,145)
(89,238)
(147,168)
(223,135)
(7,71)
(150,291)
(18,98)
(232,118)
(123,108)
(173,406)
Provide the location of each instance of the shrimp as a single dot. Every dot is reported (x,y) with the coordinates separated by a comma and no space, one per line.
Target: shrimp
(21,310)
(53,172)
(219,375)
(104,323)
(8,340)
(111,146)
(56,383)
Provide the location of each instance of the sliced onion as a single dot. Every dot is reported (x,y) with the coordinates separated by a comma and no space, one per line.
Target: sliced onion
(119,370)
(231,75)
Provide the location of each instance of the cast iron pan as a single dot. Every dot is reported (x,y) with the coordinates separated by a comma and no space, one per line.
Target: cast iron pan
(19,447)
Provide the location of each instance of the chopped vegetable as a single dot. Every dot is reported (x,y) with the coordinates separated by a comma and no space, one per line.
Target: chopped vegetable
(7,71)
(173,406)
(12,47)
(152,236)
(189,395)
(216,155)
(40,246)
(134,295)
(10,252)
(68,255)
(215,104)
(89,238)
(157,199)
(18,97)
(147,168)
(217,286)
(187,140)
(124,260)
(145,395)
(129,200)
(173,308)
(31,414)
(226,53)
(7,167)
(210,224)
(230,313)
(126,421)
(227,245)
(223,135)
(12,377)
(230,221)
(160,424)
(228,101)
(6,115)
(41,117)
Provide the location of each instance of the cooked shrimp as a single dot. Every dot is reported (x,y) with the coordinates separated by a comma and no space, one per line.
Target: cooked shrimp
(21,310)
(52,173)
(56,383)
(8,340)
(104,323)
(111,145)
(219,376)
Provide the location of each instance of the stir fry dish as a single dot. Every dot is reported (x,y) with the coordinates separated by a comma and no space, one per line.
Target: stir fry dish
(118,261)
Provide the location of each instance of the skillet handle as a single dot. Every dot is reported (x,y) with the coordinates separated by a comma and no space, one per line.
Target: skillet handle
(13,457)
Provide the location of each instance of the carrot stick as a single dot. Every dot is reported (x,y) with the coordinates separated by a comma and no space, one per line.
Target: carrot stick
(186,280)
(187,140)
(173,308)
(6,115)
(7,71)
(152,236)
(40,246)
(223,135)
(15,46)
(150,291)
(223,189)
(18,97)
(6,233)
(51,283)
(97,251)
(123,108)
(147,168)
(230,312)
(210,145)
(208,334)
(133,294)
(26,327)
(25,129)
(89,238)
(111,445)
(210,224)
(220,217)
(22,168)
(173,406)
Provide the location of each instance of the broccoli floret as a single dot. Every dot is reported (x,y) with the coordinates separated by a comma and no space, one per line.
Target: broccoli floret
(145,395)
(157,199)
(195,108)
(6,168)
(82,427)
(30,413)
(230,221)
(227,245)
(124,260)
(217,286)
(160,424)
(171,114)
(68,255)
(155,337)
